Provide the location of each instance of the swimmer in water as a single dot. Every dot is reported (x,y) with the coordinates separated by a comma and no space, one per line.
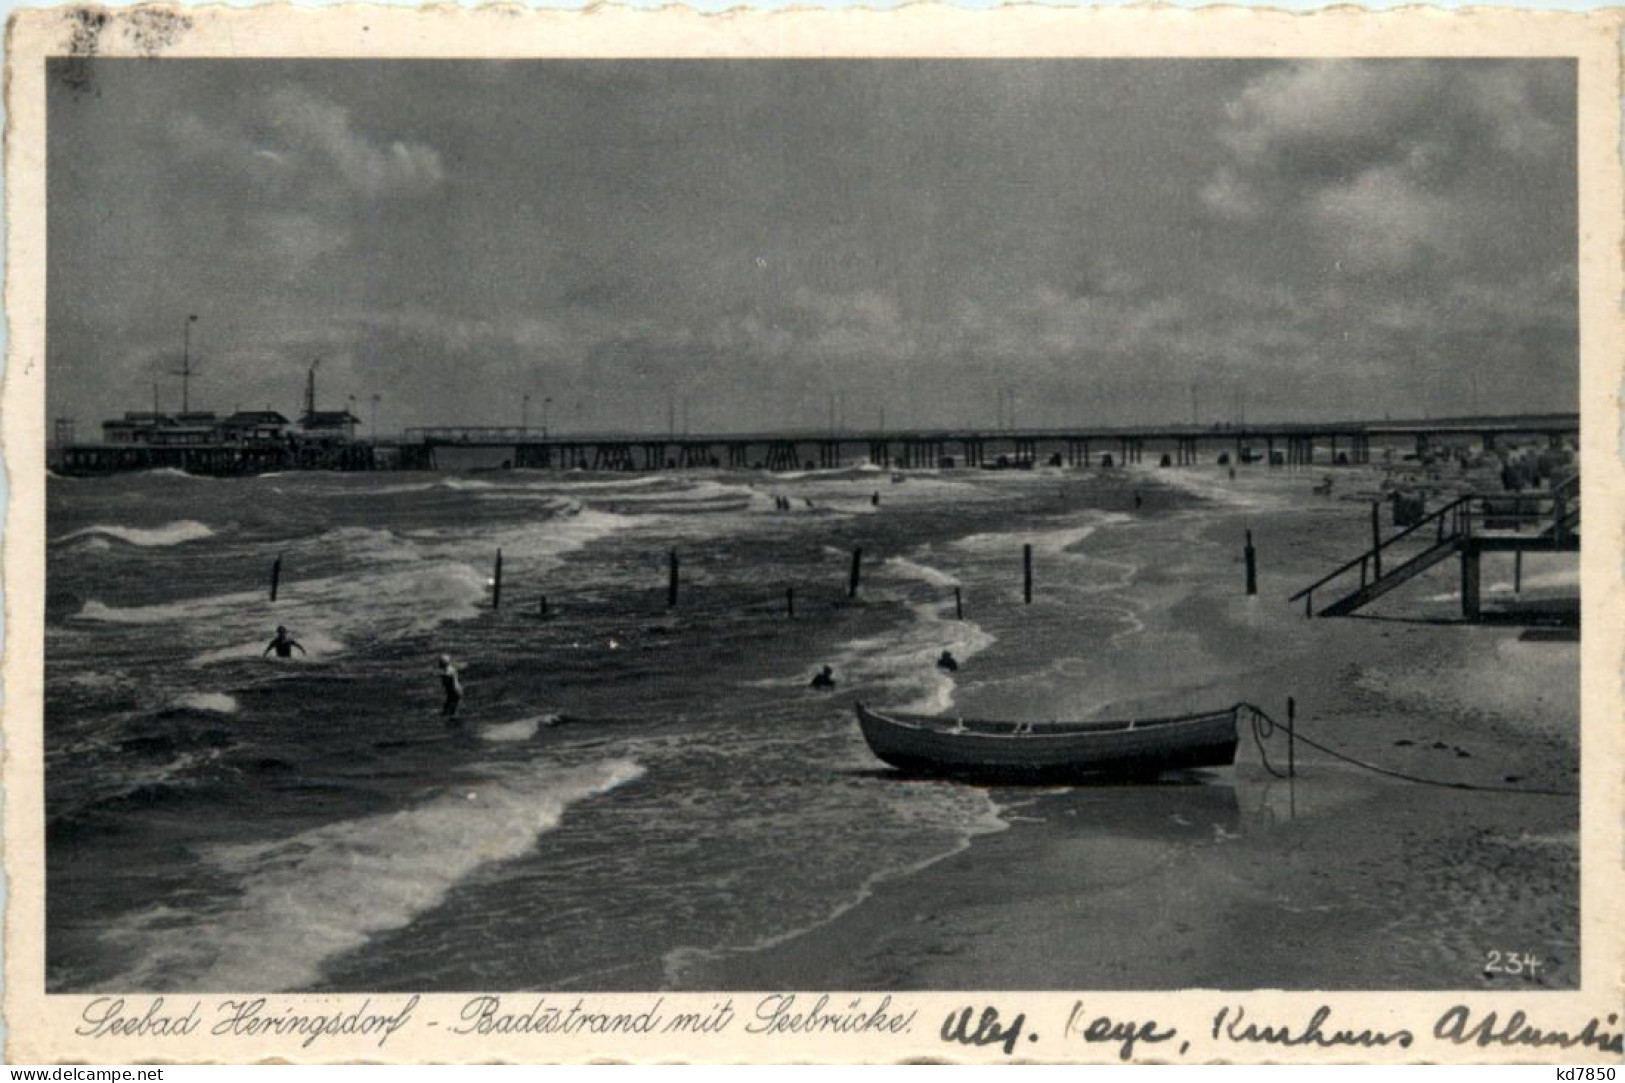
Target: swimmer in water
(948,662)
(284,644)
(824,679)
(453,686)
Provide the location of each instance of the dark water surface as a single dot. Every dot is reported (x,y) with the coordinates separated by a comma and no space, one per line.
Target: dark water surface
(633,784)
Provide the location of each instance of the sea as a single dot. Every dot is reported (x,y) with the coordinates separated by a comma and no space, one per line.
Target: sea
(632,789)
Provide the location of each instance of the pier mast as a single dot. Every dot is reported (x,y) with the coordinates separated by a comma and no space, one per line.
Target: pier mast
(185,371)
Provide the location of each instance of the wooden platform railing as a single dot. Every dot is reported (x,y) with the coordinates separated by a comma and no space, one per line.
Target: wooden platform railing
(1554,515)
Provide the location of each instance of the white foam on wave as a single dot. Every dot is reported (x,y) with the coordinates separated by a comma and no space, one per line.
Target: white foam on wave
(588,485)
(172,472)
(518,731)
(454,485)
(371,543)
(302,901)
(404,586)
(1250,491)
(824,473)
(904,661)
(544,546)
(1052,542)
(175,533)
(217,702)
(318,645)
(908,569)
(98,679)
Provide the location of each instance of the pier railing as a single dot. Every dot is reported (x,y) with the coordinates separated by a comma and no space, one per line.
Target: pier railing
(1514,521)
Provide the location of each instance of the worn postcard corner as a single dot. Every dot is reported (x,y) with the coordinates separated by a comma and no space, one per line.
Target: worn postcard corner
(931,535)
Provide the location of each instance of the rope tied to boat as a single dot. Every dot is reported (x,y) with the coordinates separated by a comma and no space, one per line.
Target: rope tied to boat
(1264,727)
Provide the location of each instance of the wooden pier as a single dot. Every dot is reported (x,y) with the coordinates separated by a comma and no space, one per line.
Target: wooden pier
(213,460)
(1284,445)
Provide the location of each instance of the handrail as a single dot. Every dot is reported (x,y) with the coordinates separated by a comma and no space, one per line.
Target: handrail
(1462,506)
(1385,543)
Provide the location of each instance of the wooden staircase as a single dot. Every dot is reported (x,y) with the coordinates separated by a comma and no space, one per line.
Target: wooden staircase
(1466,527)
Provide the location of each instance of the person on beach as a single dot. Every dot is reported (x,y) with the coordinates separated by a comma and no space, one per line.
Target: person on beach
(948,662)
(284,644)
(875,499)
(453,686)
(825,678)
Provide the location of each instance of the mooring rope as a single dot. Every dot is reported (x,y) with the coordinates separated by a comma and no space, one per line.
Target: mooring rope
(1264,727)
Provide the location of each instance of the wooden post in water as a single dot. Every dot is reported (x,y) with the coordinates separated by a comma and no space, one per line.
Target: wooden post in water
(541,610)
(496,583)
(790,601)
(1291,737)
(1517,571)
(1027,573)
(857,571)
(1252,566)
(671,581)
(959,605)
(1376,539)
(276,576)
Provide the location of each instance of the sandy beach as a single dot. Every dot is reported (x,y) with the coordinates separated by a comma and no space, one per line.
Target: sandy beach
(1238,882)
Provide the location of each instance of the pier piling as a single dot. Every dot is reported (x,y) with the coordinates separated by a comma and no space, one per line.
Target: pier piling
(790,601)
(959,605)
(1027,574)
(1469,585)
(496,583)
(671,580)
(1291,738)
(1517,571)
(276,576)
(1376,539)
(857,570)
(1252,565)
(541,609)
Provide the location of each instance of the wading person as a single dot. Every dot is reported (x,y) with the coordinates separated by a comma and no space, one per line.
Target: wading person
(453,687)
(284,644)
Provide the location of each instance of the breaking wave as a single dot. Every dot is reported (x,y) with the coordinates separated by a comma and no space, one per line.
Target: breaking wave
(169,534)
(304,900)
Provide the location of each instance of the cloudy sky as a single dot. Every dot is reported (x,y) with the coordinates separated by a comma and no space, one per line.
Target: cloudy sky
(1110,240)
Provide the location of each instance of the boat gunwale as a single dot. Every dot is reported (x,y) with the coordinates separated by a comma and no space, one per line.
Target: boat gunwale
(1031,731)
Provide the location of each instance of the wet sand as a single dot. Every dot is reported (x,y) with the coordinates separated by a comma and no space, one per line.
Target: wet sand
(1232,879)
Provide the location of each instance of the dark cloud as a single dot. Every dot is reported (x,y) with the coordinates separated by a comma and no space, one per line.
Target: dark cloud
(1334,237)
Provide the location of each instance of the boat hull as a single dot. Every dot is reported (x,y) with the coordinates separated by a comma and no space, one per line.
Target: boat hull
(1003,751)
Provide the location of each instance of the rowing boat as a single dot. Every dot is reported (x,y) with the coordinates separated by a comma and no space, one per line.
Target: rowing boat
(1141,748)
